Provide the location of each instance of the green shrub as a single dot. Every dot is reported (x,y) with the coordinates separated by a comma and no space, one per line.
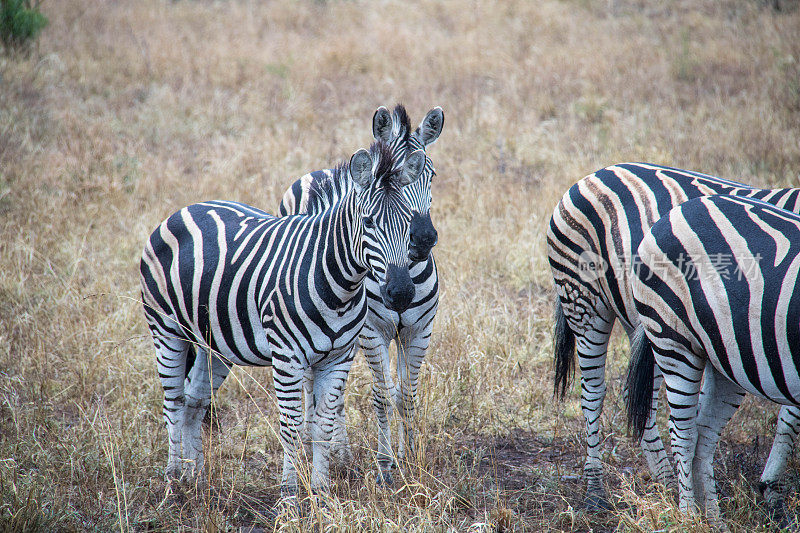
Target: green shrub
(20,23)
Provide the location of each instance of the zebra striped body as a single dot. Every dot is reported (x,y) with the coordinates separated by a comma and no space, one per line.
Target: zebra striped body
(716,289)
(594,231)
(224,283)
(410,330)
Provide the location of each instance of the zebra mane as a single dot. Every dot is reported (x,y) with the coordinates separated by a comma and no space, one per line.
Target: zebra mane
(328,188)
(405,124)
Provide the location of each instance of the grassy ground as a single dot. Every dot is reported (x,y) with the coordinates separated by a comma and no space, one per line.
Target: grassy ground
(128,110)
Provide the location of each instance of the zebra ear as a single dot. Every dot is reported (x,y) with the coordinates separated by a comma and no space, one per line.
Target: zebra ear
(412,169)
(431,126)
(382,124)
(361,168)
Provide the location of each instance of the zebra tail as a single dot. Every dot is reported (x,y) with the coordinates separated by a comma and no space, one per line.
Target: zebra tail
(563,352)
(640,383)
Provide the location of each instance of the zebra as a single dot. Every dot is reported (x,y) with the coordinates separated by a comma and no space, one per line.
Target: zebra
(715,286)
(410,330)
(224,283)
(592,235)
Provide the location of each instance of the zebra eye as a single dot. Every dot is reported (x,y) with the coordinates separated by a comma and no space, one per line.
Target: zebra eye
(369,223)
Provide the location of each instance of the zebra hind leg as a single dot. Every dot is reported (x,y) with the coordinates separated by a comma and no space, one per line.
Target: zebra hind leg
(719,401)
(653,447)
(171,355)
(683,391)
(592,345)
(772,485)
(205,373)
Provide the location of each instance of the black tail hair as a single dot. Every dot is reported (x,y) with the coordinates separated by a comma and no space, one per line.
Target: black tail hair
(563,352)
(639,383)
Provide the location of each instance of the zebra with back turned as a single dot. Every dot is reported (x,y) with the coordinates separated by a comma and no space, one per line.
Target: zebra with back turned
(411,329)
(592,236)
(224,283)
(717,289)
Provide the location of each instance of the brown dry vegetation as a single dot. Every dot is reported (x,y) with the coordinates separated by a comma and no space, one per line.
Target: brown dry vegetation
(128,110)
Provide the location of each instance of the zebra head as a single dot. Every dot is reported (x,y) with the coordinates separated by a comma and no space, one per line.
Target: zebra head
(383,219)
(395,130)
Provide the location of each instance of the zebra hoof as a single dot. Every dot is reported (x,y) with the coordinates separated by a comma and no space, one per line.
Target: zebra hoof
(384,478)
(597,503)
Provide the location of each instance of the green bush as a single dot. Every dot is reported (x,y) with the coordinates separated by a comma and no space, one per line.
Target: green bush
(20,23)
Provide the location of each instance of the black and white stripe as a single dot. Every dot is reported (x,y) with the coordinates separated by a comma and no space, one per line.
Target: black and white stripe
(410,330)
(595,229)
(716,289)
(227,284)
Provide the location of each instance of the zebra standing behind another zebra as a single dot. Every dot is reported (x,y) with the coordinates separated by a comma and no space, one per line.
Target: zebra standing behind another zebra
(716,289)
(591,240)
(231,284)
(411,329)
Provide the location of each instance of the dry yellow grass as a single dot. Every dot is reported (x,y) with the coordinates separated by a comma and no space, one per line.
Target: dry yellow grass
(128,110)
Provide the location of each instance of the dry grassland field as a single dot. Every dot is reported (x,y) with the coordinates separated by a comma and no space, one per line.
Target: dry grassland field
(125,111)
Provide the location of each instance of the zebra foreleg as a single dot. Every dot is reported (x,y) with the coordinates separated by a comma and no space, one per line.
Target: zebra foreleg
(772,482)
(308,402)
(375,349)
(718,403)
(329,384)
(341,453)
(411,351)
(206,372)
(287,375)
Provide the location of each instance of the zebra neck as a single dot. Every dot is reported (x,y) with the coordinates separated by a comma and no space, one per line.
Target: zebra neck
(338,271)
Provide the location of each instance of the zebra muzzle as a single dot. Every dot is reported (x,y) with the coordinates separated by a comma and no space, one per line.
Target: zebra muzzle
(423,237)
(398,291)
